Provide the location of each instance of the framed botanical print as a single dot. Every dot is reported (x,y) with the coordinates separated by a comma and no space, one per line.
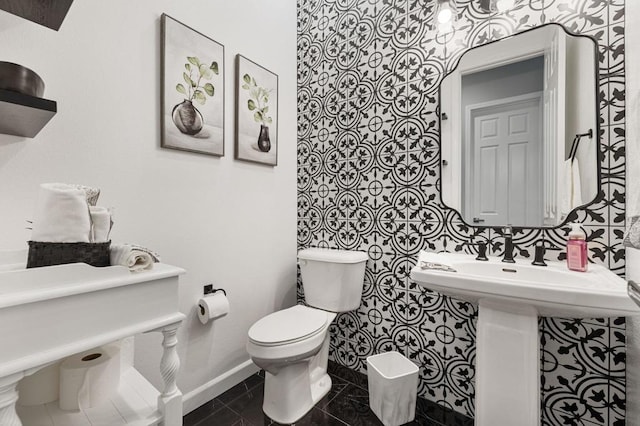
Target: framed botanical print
(192,90)
(256,113)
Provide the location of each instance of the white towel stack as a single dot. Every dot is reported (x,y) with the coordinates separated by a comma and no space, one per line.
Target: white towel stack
(62,215)
(65,214)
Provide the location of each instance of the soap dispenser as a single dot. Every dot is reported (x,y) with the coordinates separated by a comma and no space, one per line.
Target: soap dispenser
(577,249)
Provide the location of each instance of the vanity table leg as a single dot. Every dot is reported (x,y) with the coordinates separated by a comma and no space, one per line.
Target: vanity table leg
(170,400)
(8,398)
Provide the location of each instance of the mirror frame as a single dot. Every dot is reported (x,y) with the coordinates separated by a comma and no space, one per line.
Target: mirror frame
(597,129)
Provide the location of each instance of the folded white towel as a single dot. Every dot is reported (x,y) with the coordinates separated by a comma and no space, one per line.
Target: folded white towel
(570,187)
(62,215)
(101,224)
(134,259)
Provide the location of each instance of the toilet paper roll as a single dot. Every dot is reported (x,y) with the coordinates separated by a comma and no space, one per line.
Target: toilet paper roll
(212,306)
(89,378)
(41,387)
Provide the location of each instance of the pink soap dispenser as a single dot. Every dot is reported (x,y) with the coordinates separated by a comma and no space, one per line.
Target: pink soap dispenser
(577,249)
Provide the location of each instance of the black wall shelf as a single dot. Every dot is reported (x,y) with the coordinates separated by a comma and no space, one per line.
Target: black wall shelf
(49,13)
(24,115)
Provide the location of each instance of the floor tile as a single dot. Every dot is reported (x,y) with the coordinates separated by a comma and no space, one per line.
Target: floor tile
(223,416)
(317,417)
(241,388)
(249,406)
(202,412)
(352,407)
(346,404)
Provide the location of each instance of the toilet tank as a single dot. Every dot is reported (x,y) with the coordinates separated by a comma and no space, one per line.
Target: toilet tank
(332,279)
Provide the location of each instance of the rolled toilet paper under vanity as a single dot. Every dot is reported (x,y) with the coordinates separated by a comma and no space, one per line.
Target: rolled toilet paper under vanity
(89,378)
(212,306)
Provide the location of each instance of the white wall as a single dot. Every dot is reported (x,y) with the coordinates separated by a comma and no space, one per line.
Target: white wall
(226,222)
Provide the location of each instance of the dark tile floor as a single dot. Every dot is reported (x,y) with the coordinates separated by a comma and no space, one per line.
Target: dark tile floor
(346,404)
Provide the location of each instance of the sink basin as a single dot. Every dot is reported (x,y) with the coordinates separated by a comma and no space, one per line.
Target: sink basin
(510,297)
(554,291)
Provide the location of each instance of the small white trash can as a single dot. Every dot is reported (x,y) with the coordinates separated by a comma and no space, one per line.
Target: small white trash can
(393,385)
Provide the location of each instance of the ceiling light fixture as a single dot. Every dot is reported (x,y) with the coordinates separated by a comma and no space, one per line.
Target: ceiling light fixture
(446,14)
(501,6)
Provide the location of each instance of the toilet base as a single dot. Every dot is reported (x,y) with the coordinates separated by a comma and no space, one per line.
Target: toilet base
(297,387)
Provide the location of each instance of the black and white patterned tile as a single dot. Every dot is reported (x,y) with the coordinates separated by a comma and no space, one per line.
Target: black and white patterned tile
(369,179)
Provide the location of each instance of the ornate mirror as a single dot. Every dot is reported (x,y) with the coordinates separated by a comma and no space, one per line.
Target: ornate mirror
(519,129)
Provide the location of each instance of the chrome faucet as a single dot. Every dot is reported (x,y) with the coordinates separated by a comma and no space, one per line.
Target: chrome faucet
(507,231)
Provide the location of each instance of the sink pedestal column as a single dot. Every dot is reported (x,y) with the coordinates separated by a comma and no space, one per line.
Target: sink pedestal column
(507,365)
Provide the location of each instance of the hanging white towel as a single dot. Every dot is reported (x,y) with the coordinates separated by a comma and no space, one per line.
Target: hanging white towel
(570,192)
(129,256)
(61,215)
(101,224)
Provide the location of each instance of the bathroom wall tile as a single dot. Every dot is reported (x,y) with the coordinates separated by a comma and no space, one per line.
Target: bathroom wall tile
(615,184)
(347,324)
(462,372)
(345,352)
(596,214)
(552,417)
(426,311)
(618,357)
(463,319)
(616,99)
(524,16)
(617,409)
(368,122)
(616,253)
(432,385)
(468,33)
(615,50)
(461,394)
(584,399)
(577,15)
(371,316)
(565,341)
(613,146)
(307,15)
(616,12)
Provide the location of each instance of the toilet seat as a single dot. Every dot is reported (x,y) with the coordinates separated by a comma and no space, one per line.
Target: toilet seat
(288,326)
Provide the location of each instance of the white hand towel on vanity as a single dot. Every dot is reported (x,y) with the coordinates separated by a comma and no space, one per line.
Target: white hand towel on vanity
(129,256)
(61,215)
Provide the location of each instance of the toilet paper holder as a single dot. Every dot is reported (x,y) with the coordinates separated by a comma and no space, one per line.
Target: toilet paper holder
(208,289)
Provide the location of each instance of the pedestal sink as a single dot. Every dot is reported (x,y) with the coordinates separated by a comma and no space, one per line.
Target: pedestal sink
(510,297)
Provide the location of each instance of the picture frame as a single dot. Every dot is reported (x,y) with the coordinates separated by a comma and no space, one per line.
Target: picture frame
(256,113)
(192,90)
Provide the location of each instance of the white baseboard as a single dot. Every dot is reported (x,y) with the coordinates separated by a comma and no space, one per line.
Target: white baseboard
(217,386)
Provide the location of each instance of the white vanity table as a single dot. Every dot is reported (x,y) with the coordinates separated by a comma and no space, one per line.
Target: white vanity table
(47,314)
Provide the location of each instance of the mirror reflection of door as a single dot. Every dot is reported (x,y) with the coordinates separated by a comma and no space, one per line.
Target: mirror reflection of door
(505,140)
(502,149)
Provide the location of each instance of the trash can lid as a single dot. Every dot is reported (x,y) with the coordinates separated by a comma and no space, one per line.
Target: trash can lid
(391,365)
(333,256)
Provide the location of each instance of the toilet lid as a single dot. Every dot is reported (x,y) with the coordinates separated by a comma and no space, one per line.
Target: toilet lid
(288,325)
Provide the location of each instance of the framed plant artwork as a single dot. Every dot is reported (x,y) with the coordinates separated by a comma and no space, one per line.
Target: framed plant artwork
(192,90)
(257,113)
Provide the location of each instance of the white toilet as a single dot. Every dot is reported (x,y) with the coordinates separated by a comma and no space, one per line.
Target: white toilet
(292,345)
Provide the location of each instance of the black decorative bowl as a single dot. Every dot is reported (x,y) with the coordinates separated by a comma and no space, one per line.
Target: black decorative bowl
(17,78)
